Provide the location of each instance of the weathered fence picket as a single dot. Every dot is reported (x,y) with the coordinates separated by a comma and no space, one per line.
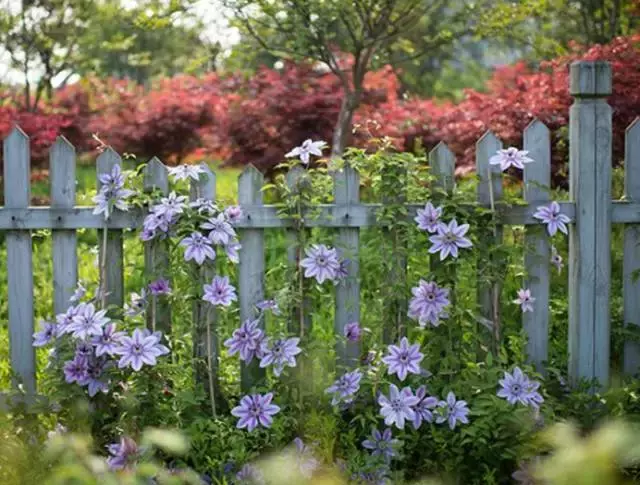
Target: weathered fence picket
(590,209)
(631,258)
(537,184)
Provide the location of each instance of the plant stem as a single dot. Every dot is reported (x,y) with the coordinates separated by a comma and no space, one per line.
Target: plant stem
(103,269)
(210,369)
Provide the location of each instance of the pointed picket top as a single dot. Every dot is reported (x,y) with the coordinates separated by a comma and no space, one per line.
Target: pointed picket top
(62,144)
(443,163)
(156,176)
(537,174)
(205,187)
(250,183)
(632,161)
(634,127)
(62,173)
(486,147)
(16,131)
(17,169)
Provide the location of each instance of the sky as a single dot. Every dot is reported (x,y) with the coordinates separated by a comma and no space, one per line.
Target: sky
(210,11)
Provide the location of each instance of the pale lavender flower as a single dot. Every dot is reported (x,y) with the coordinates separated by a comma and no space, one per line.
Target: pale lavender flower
(398,407)
(345,388)
(88,322)
(255,410)
(514,387)
(428,303)
(245,340)
(122,453)
(204,205)
(270,305)
(154,224)
(220,291)
(233,213)
(453,411)
(307,463)
(510,157)
(107,200)
(78,293)
(403,359)
(352,331)
(46,335)
(382,444)
(184,172)
(556,259)
(280,354)
(139,349)
(428,219)
(221,231)
(138,304)
(250,475)
(109,341)
(160,286)
(170,206)
(231,250)
(343,270)
(95,370)
(65,320)
(424,407)
(533,396)
(449,238)
(553,218)
(76,370)
(307,148)
(525,300)
(321,263)
(198,248)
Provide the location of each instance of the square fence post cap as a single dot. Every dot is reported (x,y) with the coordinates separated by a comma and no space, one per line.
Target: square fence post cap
(590,79)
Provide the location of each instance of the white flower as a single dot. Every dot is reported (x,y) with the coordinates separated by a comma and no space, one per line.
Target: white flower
(307,148)
(183,172)
(510,157)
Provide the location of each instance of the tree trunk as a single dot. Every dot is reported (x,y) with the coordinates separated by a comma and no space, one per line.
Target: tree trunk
(342,130)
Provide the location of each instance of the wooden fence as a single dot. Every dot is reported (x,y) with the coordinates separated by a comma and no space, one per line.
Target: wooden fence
(591,211)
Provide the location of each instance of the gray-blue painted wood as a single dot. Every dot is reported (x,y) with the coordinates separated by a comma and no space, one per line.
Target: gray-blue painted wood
(251,270)
(113,254)
(537,180)
(590,236)
(489,192)
(346,192)
(156,252)
(443,163)
(17,193)
(62,170)
(631,261)
(206,349)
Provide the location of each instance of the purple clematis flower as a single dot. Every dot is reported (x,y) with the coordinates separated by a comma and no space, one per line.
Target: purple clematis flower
(204,205)
(345,388)
(403,359)
(221,232)
(220,291)
(255,410)
(321,263)
(78,293)
(84,349)
(307,463)
(428,219)
(510,157)
(65,320)
(551,216)
(449,238)
(352,331)
(424,407)
(231,250)
(198,248)
(108,342)
(88,322)
(556,259)
(160,286)
(138,304)
(280,354)
(525,300)
(270,305)
(233,213)
(95,370)
(245,340)
(250,475)
(398,407)
(122,453)
(382,444)
(109,199)
(307,149)
(514,387)
(139,349)
(170,206)
(343,270)
(76,370)
(46,335)
(428,303)
(184,172)
(453,411)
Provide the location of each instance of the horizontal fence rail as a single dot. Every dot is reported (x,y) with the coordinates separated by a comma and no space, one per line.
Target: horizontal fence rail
(590,210)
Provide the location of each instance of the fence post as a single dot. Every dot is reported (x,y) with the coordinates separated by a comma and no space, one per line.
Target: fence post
(112,256)
(537,181)
(62,169)
(631,262)
(590,236)
(251,268)
(346,183)
(17,194)
(156,252)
